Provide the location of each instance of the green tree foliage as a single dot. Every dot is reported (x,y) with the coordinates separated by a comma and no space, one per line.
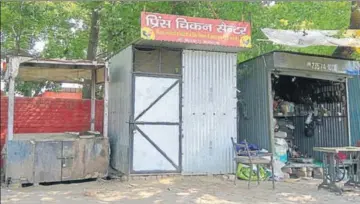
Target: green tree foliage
(65,26)
(24,23)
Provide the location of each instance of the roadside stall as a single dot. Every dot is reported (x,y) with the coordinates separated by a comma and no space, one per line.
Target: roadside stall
(292,102)
(172,96)
(52,157)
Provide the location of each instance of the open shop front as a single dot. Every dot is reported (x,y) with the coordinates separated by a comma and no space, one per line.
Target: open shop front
(291,103)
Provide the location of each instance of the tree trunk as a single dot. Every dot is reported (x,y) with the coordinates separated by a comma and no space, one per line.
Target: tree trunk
(94,34)
(346,52)
(92,46)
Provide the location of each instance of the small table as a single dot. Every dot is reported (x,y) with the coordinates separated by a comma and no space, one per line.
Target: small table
(330,163)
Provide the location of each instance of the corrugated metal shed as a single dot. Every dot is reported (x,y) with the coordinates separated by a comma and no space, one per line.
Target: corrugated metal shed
(120,66)
(354,108)
(254,101)
(254,111)
(209,112)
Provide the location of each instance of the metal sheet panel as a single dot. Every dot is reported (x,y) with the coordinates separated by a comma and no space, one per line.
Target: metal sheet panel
(322,65)
(354,108)
(96,157)
(304,143)
(48,162)
(120,67)
(331,132)
(147,90)
(156,112)
(146,157)
(254,102)
(72,161)
(189,46)
(85,158)
(208,112)
(20,161)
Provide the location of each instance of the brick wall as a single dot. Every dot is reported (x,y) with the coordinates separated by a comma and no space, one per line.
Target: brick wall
(65,95)
(50,115)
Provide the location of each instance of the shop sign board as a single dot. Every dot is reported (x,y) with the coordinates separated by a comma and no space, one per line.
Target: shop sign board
(184,29)
(315,63)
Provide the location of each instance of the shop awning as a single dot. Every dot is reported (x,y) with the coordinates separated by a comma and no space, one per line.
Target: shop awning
(57,70)
(311,65)
(188,46)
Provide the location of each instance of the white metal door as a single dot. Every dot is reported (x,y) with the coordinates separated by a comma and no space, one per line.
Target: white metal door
(156,134)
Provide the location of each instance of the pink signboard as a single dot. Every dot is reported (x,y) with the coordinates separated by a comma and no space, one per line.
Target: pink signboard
(183,29)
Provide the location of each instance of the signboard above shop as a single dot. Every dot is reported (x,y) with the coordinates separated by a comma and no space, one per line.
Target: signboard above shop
(190,30)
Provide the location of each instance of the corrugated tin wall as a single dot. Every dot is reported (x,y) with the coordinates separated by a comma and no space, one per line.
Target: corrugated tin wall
(209,112)
(120,109)
(304,143)
(354,109)
(254,105)
(332,132)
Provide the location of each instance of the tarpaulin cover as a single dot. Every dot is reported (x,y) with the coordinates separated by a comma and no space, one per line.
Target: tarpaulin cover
(311,38)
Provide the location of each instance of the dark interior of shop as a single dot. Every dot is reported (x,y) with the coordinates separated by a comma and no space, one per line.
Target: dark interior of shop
(300,90)
(308,112)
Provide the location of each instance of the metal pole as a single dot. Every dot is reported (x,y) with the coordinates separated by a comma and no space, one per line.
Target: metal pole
(93,101)
(348,121)
(106,100)
(11,103)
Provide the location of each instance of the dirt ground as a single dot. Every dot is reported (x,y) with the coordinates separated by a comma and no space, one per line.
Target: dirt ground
(207,189)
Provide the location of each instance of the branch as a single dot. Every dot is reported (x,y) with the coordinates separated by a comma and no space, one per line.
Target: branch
(212,9)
